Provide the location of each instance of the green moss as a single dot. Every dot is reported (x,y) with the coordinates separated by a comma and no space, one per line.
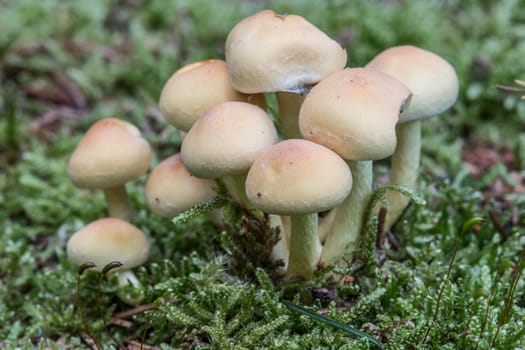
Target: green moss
(213,287)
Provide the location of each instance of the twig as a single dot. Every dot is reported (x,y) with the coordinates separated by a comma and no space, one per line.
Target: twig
(140,309)
(137,345)
(497,224)
(105,270)
(89,340)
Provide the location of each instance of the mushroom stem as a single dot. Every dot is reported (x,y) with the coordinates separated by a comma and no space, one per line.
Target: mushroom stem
(289,106)
(304,246)
(348,219)
(235,184)
(131,288)
(405,168)
(127,278)
(118,202)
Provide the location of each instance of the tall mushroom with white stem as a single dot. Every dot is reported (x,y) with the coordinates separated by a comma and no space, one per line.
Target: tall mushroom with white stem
(285,54)
(353,112)
(299,178)
(224,143)
(111,153)
(434,85)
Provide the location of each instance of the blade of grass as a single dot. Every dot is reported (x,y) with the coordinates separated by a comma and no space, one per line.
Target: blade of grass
(330,322)
(466,227)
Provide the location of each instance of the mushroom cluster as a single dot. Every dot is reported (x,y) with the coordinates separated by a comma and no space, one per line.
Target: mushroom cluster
(314,156)
(334,122)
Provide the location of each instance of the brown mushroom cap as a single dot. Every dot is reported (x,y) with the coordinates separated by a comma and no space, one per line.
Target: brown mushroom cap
(267,52)
(111,153)
(171,189)
(227,139)
(107,240)
(195,88)
(298,177)
(432,80)
(354,112)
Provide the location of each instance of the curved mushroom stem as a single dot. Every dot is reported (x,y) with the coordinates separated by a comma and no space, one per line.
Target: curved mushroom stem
(289,106)
(348,219)
(118,202)
(131,292)
(304,246)
(127,277)
(405,168)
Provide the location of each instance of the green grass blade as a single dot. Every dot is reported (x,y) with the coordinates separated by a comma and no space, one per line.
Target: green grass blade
(330,322)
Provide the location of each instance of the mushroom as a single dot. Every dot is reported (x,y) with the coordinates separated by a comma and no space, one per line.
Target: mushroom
(108,240)
(434,84)
(267,52)
(170,189)
(299,178)
(111,153)
(285,54)
(354,113)
(225,141)
(195,88)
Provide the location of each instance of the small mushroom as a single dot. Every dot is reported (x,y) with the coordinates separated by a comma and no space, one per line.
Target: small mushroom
(108,240)
(353,112)
(434,84)
(195,88)
(299,178)
(111,153)
(170,189)
(225,141)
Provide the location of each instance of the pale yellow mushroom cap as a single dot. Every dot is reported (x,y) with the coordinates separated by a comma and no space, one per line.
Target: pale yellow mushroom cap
(267,52)
(432,80)
(354,112)
(107,240)
(171,189)
(195,88)
(227,139)
(111,153)
(297,176)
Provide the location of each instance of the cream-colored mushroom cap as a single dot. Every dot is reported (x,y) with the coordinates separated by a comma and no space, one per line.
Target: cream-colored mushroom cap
(297,176)
(354,112)
(107,240)
(267,52)
(432,80)
(195,88)
(227,139)
(111,153)
(171,189)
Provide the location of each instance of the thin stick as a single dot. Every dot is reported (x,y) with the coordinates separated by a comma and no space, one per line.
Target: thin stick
(88,338)
(105,270)
(516,273)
